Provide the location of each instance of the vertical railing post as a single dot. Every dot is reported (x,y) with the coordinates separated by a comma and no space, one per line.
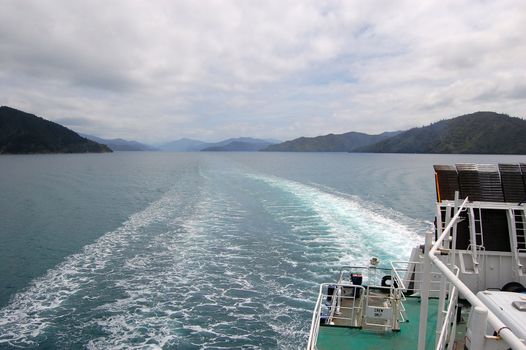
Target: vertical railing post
(424,295)
(478,327)
(452,256)
(443,280)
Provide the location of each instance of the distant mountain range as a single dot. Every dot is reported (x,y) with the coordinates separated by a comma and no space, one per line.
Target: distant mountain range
(24,133)
(183,145)
(246,144)
(347,142)
(120,144)
(476,133)
(233,144)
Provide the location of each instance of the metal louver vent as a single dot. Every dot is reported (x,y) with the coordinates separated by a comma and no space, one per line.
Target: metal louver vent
(512,182)
(446,181)
(482,182)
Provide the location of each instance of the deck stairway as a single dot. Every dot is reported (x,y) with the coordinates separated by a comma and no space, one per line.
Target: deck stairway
(517,218)
(477,238)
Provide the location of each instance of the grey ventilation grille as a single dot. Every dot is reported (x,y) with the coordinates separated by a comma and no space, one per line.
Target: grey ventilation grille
(482,182)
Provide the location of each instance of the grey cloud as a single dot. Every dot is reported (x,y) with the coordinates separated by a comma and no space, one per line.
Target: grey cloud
(73,122)
(156,71)
(518,91)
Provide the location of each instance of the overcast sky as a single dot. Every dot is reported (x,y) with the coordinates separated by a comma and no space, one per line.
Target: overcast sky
(157,71)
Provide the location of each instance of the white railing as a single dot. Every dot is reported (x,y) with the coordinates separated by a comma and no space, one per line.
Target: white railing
(378,314)
(479,328)
(340,304)
(345,310)
(372,275)
(449,325)
(355,305)
(315,323)
(408,276)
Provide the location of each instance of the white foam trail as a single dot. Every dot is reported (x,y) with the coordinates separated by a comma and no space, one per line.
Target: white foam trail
(186,272)
(28,314)
(361,230)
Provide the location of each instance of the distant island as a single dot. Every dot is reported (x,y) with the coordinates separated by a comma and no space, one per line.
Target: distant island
(24,133)
(475,133)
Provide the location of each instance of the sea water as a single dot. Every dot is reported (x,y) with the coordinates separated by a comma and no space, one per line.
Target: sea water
(196,250)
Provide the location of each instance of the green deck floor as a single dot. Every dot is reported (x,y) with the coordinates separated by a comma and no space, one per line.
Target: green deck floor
(330,337)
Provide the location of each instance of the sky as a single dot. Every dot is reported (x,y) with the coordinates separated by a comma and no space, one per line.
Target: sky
(156,71)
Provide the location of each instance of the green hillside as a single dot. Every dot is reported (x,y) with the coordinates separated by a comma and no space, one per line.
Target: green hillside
(329,143)
(476,133)
(22,132)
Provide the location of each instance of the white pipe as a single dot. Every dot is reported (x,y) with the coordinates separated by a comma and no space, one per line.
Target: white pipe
(478,327)
(424,295)
(443,280)
(505,333)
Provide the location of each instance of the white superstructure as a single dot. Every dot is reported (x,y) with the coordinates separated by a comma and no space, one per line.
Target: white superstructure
(474,265)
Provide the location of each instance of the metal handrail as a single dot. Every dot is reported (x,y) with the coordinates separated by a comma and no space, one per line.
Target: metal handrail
(505,333)
(453,293)
(395,272)
(315,324)
(371,273)
(418,274)
(335,306)
(349,267)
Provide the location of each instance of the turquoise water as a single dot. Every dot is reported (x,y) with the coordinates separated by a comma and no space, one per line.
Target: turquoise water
(197,250)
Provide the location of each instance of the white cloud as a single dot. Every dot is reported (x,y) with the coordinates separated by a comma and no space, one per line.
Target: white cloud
(160,70)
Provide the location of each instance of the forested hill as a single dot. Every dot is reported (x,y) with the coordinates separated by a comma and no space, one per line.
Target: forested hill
(330,143)
(476,133)
(22,132)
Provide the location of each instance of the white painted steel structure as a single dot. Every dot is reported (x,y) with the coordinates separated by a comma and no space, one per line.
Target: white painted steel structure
(478,256)
(481,311)
(434,273)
